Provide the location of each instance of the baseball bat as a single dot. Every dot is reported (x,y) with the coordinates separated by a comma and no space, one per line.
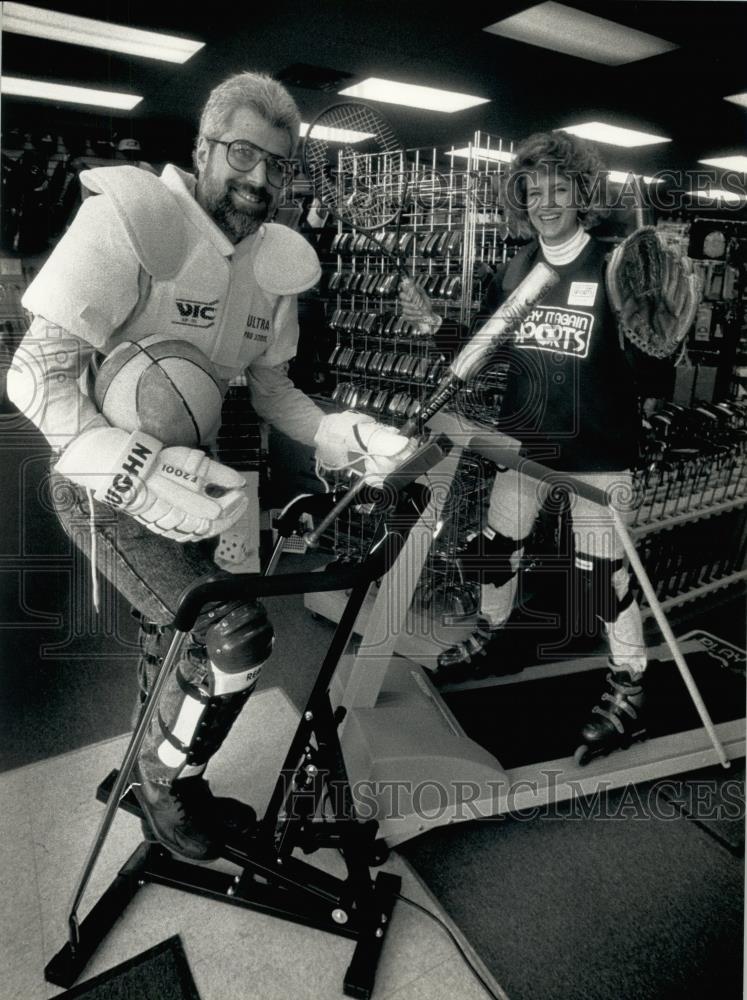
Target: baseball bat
(504,321)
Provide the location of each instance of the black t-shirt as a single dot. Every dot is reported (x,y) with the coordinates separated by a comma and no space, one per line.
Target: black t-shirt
(571,396)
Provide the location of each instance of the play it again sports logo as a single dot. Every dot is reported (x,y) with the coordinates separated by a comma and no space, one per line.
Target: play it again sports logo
(728,655)
(552,328)
(196,314)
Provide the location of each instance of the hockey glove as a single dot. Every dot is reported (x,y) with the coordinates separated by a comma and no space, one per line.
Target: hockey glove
(342,433)
(177,492)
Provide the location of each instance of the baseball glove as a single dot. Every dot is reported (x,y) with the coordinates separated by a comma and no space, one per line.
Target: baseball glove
(653,292)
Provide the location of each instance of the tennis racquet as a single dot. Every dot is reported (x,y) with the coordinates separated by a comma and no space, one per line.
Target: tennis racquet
(360,172)
(357,167)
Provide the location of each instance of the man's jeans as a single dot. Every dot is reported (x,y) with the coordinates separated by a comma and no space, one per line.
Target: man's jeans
(150,572)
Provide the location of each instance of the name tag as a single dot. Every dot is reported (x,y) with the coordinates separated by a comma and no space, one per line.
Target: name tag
(582,293)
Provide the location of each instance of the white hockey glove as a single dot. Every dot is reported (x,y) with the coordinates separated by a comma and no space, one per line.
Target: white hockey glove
(339,434)
(384,449)
(177,492)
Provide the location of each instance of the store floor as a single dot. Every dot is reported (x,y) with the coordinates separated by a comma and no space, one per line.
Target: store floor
(48,816)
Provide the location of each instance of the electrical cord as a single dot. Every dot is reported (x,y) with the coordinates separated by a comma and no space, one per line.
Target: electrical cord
(457,945)
(325,802)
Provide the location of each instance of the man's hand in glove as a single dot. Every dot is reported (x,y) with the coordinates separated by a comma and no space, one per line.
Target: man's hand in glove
(340,434)
(177,492)
(384,449)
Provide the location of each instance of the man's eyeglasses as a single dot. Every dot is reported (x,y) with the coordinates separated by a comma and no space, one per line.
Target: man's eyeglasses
(243,155)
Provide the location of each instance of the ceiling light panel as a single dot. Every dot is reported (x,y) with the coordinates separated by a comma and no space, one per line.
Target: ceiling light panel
(613,135)
(56,26)
(738,163)
(624,177)
(13,86)
(719,194)
(501,155)
(576,33)
(341,135)
(412,96)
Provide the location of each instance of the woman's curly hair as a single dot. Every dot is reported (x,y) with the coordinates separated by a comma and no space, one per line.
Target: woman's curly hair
(571,157)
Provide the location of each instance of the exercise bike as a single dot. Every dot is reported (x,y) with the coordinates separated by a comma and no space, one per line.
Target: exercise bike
(311,806)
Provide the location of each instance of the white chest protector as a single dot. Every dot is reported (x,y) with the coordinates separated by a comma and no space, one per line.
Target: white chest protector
(236,304)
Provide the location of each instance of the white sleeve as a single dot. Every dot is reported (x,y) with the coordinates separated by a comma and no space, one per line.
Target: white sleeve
(89,285)
(278,401)
(284,344)
(43,383)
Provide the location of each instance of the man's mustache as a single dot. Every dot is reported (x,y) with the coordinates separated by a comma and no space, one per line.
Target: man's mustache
(258,192)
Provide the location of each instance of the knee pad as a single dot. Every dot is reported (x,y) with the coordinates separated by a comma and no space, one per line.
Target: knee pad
(490,555)
(236,634)
(243,638)
(598,580)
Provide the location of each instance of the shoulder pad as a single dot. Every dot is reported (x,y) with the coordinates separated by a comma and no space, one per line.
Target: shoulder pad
(284,263)
(150,214)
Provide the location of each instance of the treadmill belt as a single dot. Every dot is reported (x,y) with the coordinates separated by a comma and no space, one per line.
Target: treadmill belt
(532,721)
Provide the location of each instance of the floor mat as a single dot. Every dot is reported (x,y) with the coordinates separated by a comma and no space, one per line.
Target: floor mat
(161,973)
(633,893)
(714,798)
(614,902)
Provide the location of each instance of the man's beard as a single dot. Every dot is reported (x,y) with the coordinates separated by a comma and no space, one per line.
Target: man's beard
(236,223)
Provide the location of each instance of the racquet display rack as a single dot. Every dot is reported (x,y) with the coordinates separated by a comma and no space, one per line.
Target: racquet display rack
(449,237)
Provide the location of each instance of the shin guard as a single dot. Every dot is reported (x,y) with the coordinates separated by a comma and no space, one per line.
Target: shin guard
(208,689)
(605,583)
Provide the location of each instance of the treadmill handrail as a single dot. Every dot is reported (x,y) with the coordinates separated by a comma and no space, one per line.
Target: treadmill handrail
(496,450)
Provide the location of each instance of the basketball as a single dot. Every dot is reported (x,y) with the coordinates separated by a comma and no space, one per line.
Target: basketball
(166,388)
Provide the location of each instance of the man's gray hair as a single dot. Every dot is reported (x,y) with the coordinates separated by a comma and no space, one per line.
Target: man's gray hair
(258,91)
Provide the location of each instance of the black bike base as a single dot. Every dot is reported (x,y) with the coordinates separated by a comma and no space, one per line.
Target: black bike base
(311,807)
(279,886)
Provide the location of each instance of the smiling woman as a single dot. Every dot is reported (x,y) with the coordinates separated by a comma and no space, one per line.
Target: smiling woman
(551,205)
(556,181)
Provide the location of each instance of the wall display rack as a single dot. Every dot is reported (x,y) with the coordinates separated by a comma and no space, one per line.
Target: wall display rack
(451,237)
